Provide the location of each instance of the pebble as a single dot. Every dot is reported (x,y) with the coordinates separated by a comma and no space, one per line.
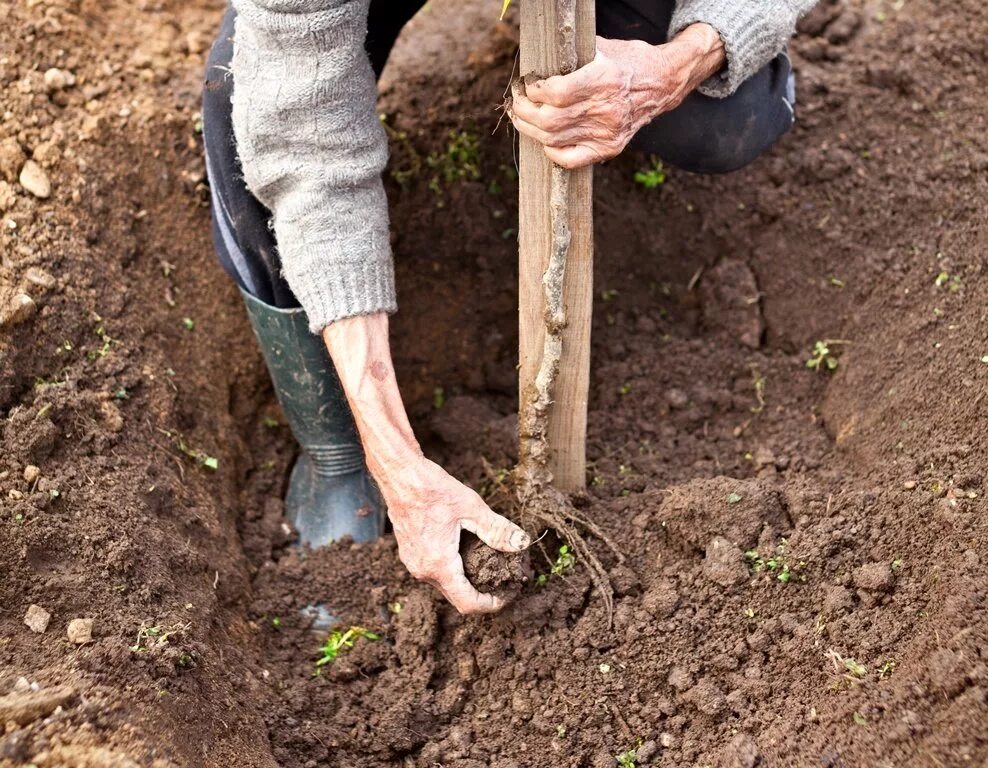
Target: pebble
(666,739)
(35,180)
(11,158)
(909,485)
(31,473)
(80,631)
(37,276)
(20,308)
(677,398)
(37,618)
(58,79)
(7,196)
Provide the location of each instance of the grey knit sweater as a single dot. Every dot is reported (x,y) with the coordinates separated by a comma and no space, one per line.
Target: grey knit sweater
(312,147)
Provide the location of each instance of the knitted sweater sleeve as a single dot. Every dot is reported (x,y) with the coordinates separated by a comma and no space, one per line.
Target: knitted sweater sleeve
(753,31)
(312,150)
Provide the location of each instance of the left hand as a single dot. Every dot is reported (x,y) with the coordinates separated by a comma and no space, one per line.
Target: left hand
(590,115)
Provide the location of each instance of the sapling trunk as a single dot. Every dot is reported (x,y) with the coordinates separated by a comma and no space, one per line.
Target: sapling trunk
(543,503)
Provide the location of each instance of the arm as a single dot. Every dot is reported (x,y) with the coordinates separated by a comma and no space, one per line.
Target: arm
(427,507)
(312,151)
(753,33)
(715,45)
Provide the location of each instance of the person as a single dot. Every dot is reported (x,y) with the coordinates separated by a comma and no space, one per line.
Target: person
(295,152)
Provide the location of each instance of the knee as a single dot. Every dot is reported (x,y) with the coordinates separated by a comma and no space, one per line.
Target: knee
(707,135)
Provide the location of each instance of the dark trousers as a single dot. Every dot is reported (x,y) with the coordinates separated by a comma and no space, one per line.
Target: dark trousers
(702,135)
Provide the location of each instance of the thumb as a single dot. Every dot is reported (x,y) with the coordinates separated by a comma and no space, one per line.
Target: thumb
(496,531)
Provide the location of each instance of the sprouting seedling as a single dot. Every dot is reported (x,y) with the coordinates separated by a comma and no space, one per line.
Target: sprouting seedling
(563,563)
(653,176)
(823,358)
(201,457)
(339,641)
(886,669)
(953,282)
(628,758)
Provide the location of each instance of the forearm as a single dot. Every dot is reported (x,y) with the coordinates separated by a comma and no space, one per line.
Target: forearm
(692,56)
(361,352)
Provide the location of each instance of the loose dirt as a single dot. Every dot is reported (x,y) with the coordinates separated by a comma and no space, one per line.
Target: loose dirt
(804,551)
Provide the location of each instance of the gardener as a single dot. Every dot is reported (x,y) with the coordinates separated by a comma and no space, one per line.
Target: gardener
(293,138)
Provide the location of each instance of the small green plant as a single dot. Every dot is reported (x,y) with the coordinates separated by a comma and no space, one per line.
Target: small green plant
(776,564)
(151,636)
(627,759)
(460,161)
(104,350)
(189,323)
(856,668)
(653,176)
(202,458)
(859,719)
(563,563)
(952,282)
(339,641)
(438,398)
(823,358)
(886,669)
(733,498)
(276,622)
(624,389)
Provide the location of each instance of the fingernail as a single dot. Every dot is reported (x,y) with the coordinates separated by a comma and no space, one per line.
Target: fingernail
(520,540)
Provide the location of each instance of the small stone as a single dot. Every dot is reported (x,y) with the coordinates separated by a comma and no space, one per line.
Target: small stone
(80,631)
(58,79)
(37,276)
(7,196)
(877,577)
(11,158)
(35,180)
(666,739)
(680,678)
(724,563)
(677,398)
(20,308)
(37,618)
(31,473)
(646,752)
(909,485)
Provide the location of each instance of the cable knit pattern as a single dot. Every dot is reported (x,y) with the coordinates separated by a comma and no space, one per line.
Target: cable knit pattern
(312,147)
(312,150)
(753,31)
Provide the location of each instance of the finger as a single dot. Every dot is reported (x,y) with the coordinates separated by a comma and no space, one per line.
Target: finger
(548,117)
(564,90)
(496,531)
(576,156)
(565,138)
(461,594)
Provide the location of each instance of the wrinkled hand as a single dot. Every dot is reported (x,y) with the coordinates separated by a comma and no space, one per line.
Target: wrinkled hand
(429,509)
(590,115)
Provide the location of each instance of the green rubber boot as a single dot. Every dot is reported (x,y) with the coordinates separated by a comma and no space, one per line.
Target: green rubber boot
(330,493)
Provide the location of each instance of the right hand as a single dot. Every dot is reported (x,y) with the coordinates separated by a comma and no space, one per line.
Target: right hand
(429,509)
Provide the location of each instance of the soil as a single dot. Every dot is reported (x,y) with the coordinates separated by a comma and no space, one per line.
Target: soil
(804,572)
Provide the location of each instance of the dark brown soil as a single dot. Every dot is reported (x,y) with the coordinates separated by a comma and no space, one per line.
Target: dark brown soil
(804,580)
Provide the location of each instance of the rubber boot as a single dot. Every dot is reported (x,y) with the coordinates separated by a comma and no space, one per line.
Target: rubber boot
(330,493)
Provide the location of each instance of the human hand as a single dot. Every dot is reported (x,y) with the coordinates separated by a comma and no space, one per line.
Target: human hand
(590,115)
(428,509)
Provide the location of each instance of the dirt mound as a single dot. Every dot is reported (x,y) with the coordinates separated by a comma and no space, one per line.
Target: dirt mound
(804,548)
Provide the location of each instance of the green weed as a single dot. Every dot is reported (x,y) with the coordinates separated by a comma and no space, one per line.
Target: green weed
(459,161)
(339,641)
(823,358)
(563,563)
(653,176)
